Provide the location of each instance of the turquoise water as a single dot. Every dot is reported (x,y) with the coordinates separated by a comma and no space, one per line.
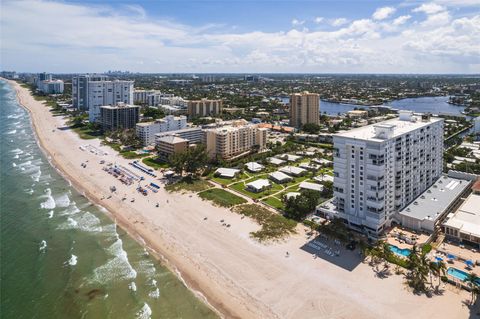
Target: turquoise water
(459,274)
(61,257)
(402,252)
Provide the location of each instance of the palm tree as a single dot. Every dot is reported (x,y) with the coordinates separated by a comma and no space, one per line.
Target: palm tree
(442,271)
(472,282)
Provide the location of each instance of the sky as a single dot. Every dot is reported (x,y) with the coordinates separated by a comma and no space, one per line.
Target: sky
(223,36)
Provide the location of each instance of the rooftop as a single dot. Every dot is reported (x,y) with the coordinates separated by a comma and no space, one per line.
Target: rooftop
(259,184)
(279,176)
(399,126)
(467,217)
(434,201)
(227,172)
(311,186)
(119,106)
(171,139)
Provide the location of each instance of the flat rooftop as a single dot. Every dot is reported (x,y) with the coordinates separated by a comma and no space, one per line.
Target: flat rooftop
(467,218)
(400,127)
(433,202)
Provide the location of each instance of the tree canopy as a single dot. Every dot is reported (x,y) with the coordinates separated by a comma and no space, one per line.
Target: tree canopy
(311,128)
(300,206)
(190,161)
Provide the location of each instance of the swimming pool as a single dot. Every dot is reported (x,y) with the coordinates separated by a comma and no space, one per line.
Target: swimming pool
(402,252)
(459,274)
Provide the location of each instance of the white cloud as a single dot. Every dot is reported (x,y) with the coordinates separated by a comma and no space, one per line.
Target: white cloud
(429,8)
(95,39)
(319,19)
(338,22)
(296,22)
(383,13)
(437,19)
(401,20)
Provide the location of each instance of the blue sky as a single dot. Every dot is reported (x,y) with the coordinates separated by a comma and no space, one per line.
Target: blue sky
(439,36)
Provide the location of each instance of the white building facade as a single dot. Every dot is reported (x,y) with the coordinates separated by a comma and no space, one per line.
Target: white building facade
(90,92)
(381,168)
(146,131)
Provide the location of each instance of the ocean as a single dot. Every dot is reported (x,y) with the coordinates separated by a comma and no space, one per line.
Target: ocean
(61,256)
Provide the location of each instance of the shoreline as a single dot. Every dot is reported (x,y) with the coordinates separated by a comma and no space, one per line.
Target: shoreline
(191,284)
(236,276)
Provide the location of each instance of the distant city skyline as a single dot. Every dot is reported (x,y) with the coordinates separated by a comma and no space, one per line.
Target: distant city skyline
(439,36)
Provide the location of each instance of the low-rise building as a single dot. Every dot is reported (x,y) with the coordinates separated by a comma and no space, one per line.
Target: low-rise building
(258,186)
(357,113)
(194,135)
(293,171)
(120,116)
(275,161)
(226,172)
(464,224)
(427,210)
(171,144)
(311,186)
(279,177)
(146,131)
(254,167)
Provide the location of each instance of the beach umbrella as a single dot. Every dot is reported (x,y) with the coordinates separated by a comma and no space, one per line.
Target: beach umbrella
(438,259)
(469,263)
(450,256)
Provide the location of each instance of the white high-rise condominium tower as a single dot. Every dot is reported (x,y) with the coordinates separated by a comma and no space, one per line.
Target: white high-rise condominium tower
(381,168)
(90,92)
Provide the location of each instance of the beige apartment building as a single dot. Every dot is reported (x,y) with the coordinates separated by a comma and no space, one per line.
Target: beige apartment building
(204,107)
(304,108)
(171,144)
(229,142)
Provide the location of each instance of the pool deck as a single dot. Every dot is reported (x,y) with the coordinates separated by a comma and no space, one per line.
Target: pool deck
(461,254)
(392,237)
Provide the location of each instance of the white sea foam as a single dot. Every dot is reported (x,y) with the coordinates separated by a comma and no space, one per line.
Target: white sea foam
(154,294)
(14,165)
(118,268)
(145,312)
(132,286)
(154,283)
(50,214)
(62,200)
(49,203)
(29,191)
(146,267)
(11,132)
(70,210)
(16,156)
(73,260)
(36,176)
(43,246)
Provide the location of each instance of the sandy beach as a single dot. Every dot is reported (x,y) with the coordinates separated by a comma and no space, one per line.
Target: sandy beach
(232,272)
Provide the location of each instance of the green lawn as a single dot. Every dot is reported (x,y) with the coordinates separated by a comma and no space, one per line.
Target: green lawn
(152,162)
(189,185)
(86,133)
(274,226)
(132,155)
(222,197)
(274,202)
(240,187)
(226,181)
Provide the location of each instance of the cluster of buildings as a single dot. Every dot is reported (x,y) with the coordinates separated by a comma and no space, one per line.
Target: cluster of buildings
(392,173)
(226,140)
(46,84)
(91,92)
